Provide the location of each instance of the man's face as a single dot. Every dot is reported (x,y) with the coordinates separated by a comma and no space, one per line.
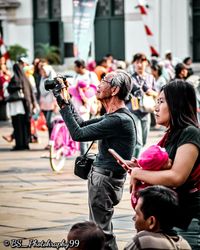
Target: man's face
(140,222)
(140,65)
(184,73)
(104,87)
(78,70)
(169,56)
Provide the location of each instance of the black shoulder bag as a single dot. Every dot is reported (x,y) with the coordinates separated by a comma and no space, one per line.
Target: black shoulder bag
(83,164)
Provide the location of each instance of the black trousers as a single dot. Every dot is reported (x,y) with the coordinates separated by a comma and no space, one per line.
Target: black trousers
(48,115)
(21,127)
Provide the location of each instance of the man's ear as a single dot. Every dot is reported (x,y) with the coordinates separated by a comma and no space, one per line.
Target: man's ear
(152,222)
(115,90)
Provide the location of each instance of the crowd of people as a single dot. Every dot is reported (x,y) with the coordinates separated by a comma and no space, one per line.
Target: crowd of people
(116,105)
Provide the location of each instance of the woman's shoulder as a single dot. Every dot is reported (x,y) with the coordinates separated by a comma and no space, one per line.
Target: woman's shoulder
(191,130)
(190,134)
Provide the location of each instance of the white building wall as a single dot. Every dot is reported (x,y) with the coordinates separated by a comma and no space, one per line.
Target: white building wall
(135,38)
(169,22)
(174,32)
(18,27)
(67,19)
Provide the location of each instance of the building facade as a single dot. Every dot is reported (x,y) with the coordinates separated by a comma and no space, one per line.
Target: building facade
(118,27)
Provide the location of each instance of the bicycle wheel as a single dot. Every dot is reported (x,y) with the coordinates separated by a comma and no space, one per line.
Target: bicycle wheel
(57,147)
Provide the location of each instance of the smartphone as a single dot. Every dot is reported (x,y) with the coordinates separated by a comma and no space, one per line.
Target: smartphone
(118,157)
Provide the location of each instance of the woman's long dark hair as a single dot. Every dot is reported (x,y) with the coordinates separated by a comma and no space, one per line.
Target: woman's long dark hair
(181,99)
(18,73)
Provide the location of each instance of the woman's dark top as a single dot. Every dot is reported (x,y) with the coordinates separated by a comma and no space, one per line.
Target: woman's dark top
(189,192)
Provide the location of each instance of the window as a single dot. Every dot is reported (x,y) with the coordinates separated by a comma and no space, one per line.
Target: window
(118,7)
(47,9)
(42,9)
(56,10)
(103,8)
(196,4)
(107,8)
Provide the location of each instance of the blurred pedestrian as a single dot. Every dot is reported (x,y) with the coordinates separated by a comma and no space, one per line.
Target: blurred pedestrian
(160,80)
(188,63)
(168,65)
(102,68)
(21,103)
(143,84)
(4,69)
(181,71)
(83,93)
(47,100)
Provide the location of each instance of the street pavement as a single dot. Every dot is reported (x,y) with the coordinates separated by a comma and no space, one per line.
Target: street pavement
(38,204)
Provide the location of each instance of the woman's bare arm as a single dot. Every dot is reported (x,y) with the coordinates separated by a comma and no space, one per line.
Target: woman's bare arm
(184,161)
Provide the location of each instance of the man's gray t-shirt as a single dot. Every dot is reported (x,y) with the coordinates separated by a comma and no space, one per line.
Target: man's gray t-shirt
(115,130)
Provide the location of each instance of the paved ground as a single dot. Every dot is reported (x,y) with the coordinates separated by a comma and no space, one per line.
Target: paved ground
(36,203)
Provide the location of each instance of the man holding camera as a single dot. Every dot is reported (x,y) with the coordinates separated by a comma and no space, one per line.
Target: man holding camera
(115,130)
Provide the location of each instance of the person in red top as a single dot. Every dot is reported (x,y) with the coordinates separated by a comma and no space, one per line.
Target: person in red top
(5,76)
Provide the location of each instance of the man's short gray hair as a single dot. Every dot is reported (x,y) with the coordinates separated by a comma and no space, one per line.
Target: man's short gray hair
(123,80)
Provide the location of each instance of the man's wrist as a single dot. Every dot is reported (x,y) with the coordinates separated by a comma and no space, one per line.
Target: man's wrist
(61,101)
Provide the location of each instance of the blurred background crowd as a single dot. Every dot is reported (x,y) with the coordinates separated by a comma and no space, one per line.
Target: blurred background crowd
(24,99)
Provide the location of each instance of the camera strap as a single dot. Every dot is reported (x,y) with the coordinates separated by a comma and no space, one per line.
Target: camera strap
(89,148)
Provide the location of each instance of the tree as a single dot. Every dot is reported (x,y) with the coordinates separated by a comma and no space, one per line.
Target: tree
(51,53)
(16,51)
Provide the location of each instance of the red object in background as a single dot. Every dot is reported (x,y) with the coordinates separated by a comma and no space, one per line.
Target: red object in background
(153,51)
(142,9)
(2,81)
(41,122)
(38,124)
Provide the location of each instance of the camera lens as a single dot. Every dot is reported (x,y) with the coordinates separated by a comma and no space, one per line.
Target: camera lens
(49,84)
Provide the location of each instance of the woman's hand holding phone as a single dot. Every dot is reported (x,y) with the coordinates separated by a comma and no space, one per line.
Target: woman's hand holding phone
(120,160)
(126,164)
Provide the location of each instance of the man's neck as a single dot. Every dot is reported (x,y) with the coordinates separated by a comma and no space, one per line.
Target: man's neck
(113,104)
(83,71)
(142,73)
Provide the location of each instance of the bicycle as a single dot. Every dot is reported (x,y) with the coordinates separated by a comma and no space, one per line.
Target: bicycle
(61,145)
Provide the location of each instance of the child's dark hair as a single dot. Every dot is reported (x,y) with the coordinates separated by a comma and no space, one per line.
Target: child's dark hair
(89,234)
(79,63)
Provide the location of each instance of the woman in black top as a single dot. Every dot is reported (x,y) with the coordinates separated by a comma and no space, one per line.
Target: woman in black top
(176,110)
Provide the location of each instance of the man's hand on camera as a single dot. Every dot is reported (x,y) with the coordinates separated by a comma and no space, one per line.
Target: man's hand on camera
(59,86)
(60,92)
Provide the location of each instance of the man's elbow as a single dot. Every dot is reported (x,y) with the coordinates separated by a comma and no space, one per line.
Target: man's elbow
(77,137)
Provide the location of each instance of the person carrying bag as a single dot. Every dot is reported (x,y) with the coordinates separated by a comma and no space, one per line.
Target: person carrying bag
(116,129)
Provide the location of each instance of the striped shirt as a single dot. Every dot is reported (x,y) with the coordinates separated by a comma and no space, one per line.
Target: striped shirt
(157,241)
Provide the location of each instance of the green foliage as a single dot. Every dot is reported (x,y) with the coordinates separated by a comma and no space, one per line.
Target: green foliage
(16,51)
(51,53)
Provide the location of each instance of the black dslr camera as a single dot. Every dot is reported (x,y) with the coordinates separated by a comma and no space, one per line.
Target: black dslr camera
(51,84)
